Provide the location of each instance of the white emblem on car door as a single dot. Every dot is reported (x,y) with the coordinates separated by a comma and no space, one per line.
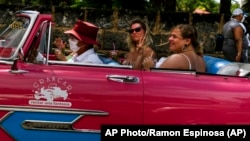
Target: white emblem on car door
(51,92)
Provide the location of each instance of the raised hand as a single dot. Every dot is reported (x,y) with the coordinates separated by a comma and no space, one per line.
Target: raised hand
(140,44)
(59,43)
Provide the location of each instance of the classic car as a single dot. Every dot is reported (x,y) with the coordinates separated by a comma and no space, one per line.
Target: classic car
(54,100)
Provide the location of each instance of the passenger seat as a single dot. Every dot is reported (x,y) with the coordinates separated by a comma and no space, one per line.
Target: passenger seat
(220,66)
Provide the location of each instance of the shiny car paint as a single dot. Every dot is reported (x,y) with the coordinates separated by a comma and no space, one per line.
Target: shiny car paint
(191,98)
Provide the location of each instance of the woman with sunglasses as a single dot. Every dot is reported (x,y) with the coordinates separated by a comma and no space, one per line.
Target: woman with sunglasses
(188,54)
(139,43)
(82,38)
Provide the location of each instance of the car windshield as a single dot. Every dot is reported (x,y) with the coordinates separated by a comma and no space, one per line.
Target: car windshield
(11,35)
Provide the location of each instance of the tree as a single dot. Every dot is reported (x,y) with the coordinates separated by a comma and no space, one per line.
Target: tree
(225,6)
(163,5)
(246,6)
(191,5)
(11,2)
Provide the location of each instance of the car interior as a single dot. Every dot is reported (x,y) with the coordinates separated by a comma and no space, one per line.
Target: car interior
(214,65)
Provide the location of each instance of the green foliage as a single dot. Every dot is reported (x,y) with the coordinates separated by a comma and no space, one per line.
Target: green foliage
(163,5)
(79,3)
(234,5)
(191,5)
(116,4)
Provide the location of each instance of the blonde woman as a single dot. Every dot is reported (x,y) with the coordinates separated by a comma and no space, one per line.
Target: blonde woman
(140,45)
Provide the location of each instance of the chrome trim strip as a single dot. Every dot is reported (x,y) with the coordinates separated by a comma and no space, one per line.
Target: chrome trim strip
(192,72)
(47,125)
(6,62)
(51,125)
(88,64)
(48,44)
(6,116)
(54,126)
(3,118)
(54,110)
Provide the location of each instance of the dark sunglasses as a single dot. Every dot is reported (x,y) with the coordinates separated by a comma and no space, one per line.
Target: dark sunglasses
(138,29)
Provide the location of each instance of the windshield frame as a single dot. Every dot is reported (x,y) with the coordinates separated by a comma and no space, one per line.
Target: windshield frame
(32,16)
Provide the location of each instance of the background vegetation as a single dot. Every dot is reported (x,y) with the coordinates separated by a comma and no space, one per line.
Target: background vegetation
(113,17)
(212,6)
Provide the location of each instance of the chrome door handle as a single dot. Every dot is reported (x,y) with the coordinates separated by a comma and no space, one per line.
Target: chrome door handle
(18,71)
(123,78)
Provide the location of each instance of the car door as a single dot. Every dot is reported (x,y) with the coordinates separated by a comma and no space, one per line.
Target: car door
(63,101)
(186,97)
(108,95)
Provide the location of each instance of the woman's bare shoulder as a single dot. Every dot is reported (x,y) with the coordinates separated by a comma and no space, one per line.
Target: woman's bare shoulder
(174,61)
(176,57)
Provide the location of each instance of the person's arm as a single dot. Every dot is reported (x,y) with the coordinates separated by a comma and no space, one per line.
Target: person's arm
(238,31)
(149,59)
(148,63)
(60,56)
(59,51)
(141,51)
(144,53)
(135,59)
(127,59)
(138,63)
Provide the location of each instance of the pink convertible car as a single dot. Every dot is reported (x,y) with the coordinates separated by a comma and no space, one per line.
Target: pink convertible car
(46,99)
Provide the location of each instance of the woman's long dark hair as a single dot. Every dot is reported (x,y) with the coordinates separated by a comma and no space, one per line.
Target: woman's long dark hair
(188,31)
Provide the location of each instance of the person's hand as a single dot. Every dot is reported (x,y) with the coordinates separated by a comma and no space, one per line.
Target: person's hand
(59,43)
(139,46)
(58,52)
(238,58)
(114,55)
(148,63)
(60,55)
